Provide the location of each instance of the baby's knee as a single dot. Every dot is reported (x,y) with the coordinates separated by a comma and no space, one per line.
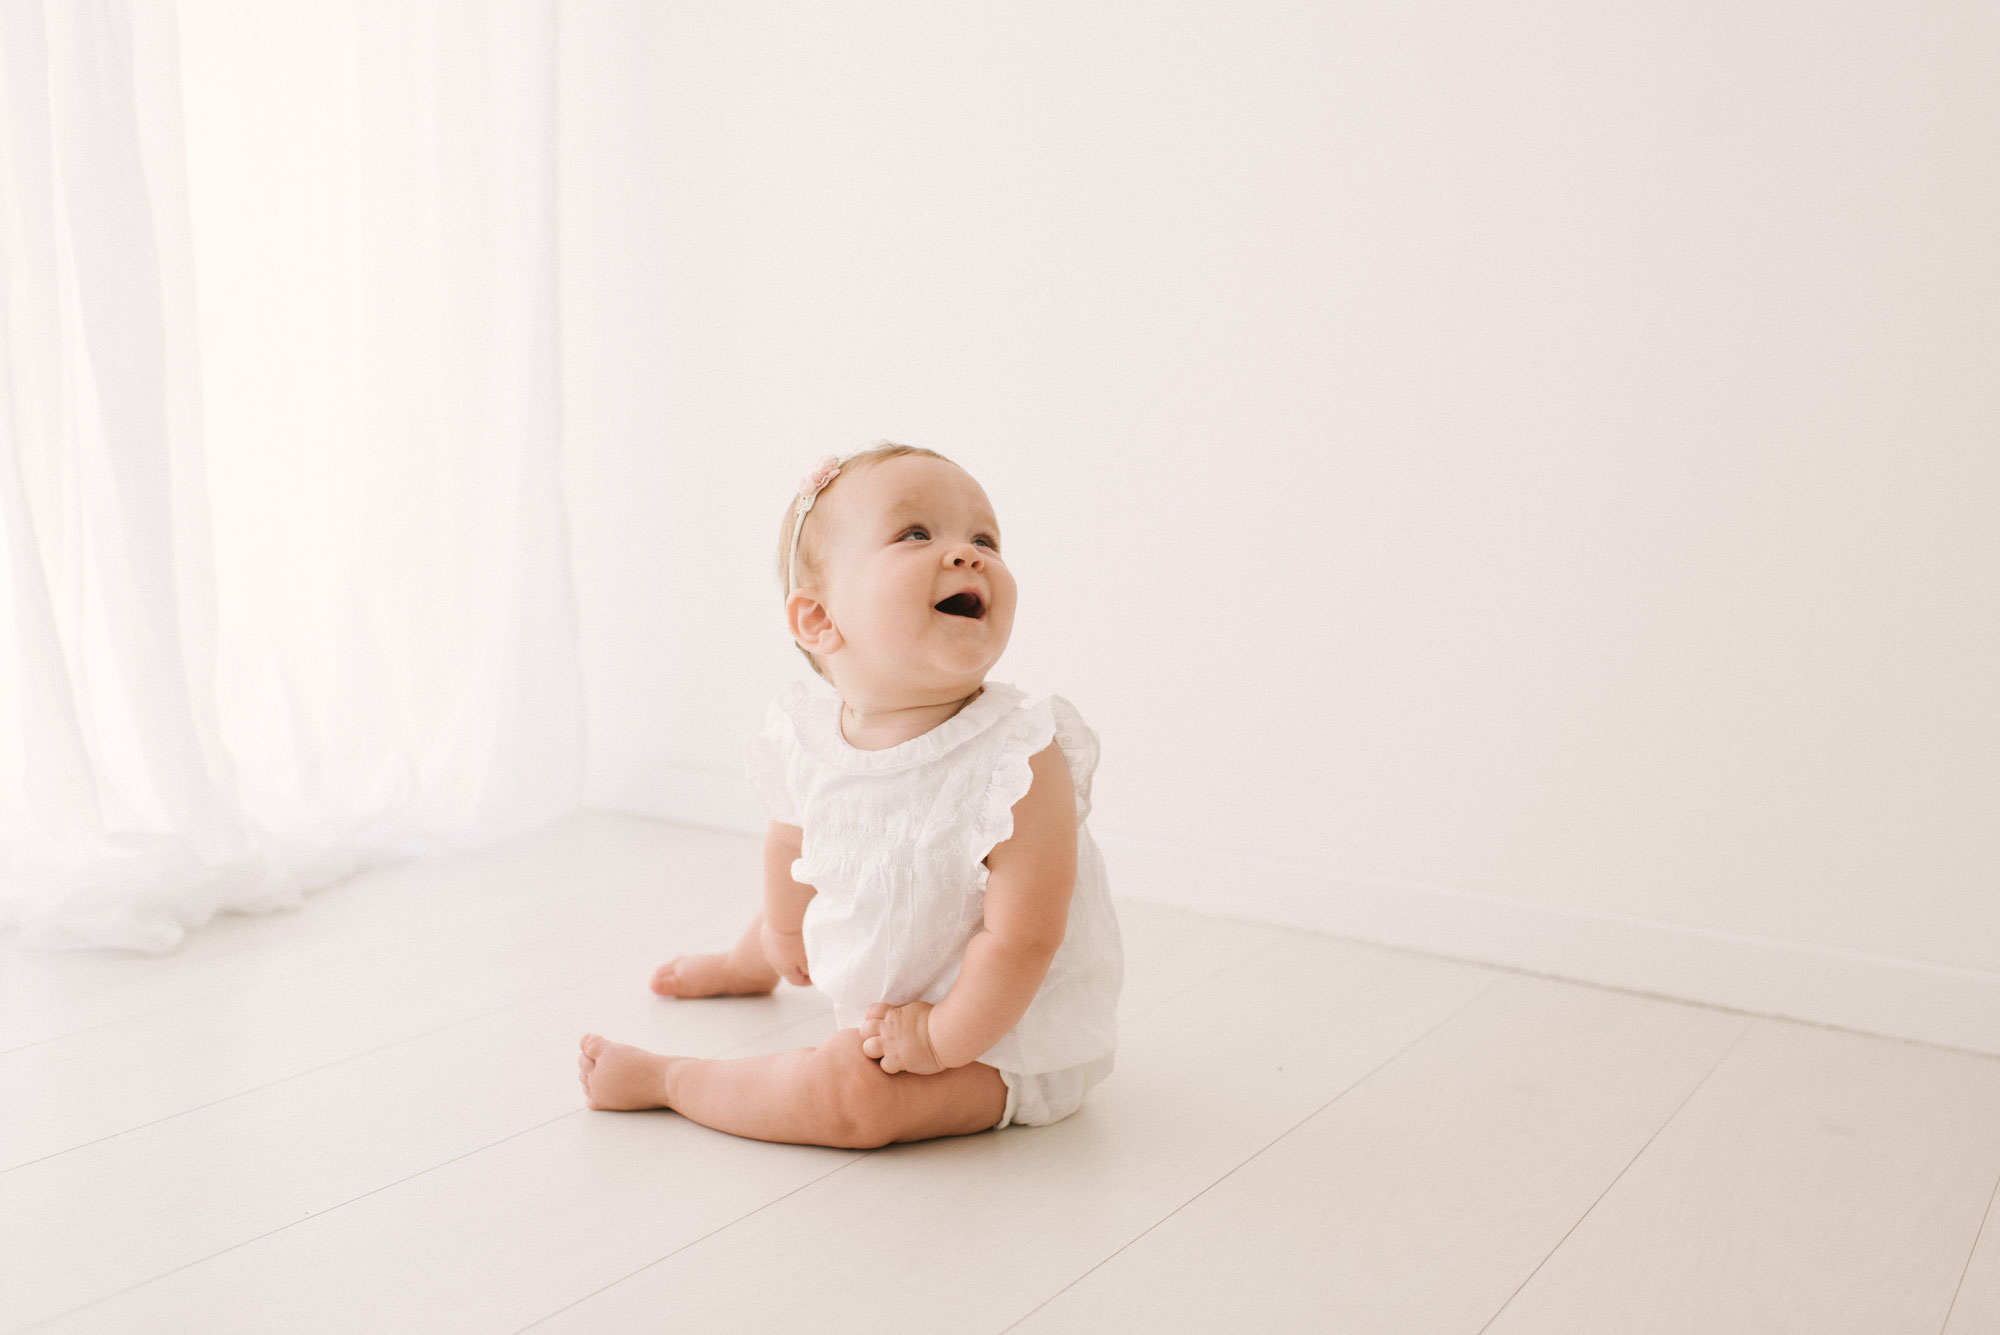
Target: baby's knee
(855,1097)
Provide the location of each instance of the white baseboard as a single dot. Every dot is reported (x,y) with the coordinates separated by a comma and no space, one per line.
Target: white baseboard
(1877,994)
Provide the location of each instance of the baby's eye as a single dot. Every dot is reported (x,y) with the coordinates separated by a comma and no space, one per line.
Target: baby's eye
(991,543)
(914,531)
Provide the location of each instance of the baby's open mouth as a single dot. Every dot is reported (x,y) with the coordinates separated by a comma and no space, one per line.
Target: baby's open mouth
(966,604)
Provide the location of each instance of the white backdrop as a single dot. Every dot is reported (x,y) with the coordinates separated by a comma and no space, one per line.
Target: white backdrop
(1520,482)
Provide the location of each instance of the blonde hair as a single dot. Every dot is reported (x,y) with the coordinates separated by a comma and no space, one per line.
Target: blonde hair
(809,532)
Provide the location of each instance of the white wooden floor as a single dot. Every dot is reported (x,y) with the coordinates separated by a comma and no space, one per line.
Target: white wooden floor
(365,1117)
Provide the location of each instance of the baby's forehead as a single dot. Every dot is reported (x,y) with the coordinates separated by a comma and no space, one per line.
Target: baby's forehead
(916,493)
(931,500)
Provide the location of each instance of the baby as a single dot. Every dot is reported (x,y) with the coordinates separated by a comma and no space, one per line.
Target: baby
(926,864)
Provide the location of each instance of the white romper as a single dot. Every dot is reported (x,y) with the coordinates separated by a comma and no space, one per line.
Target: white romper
(895,842)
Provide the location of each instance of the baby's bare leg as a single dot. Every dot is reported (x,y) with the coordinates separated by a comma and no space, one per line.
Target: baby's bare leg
(828,1095)
(738,972)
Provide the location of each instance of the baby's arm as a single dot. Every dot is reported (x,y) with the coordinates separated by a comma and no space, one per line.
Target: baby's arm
(785,903)
(1029,882)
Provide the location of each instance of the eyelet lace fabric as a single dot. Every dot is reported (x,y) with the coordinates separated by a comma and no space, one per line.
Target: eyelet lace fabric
(895,842)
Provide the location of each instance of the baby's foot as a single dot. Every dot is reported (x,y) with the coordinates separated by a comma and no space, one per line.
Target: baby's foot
(712,976)
(619,1078)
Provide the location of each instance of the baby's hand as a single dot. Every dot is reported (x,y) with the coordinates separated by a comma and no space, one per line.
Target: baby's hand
(900,1038)
(786,952)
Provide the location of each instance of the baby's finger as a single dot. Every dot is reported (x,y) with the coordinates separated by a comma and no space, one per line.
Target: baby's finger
(871,1047)
(879,1009)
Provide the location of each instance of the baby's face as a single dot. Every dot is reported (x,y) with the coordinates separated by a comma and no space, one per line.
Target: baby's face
(911,575)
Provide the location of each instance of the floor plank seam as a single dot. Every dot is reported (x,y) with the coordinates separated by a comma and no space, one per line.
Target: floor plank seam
(1202,981)
(1349,1088)
(480,1149)
(384,942)
(315,1070)
(691,1242)
(1971,1252)
(270,1233)
(1751,1022)
(545,994)
(199,997)
(1579,980)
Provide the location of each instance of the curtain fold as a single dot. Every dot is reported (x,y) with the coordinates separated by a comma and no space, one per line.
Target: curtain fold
(286,575)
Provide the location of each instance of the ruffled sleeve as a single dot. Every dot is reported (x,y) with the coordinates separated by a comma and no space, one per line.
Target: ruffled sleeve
(767,757)
(1029,732)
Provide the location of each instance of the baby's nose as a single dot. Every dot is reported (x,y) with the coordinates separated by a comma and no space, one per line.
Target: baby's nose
(967,558)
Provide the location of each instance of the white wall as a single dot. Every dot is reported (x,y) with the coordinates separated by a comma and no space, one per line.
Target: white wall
(1522,481)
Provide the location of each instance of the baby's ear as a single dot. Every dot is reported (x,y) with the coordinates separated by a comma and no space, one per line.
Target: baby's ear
(812,625)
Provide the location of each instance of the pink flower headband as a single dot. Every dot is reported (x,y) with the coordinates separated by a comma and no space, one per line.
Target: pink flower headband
(810,486)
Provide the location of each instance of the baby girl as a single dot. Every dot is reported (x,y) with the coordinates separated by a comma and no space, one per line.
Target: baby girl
(926,863)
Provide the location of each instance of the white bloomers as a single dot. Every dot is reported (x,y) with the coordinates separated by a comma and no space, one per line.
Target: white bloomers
(1041,1100)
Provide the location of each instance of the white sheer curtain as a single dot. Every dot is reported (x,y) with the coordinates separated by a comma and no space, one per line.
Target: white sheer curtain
(285,587)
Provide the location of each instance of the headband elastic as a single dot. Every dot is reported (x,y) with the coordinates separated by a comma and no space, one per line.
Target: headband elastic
(810,486)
